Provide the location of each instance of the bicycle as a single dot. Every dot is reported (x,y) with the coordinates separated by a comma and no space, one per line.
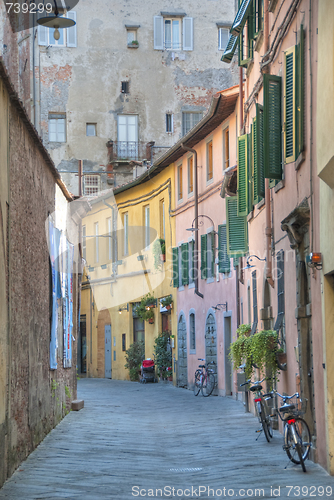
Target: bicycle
(204,379)
(297,436)
(261,408)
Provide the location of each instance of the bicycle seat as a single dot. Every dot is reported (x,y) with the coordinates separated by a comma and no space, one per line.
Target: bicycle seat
(286,408)
(254,388)
(201,366)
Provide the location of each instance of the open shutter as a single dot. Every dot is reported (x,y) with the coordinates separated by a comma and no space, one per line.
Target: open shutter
(158,33)
(272,129)
(213,253)
(223,258)
(175,267)
(188,33)
(289,105)
(230,49)
(241,17)
(204,260)
(300,93)
(72,32)
(236,228)
(243,175)
(185,263)
(257,148)
(42,35)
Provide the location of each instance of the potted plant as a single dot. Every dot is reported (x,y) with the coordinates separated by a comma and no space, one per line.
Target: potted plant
(263,351)
(244,329)
(159,252)
(240,354)
(167,302)
(162,354)
(145,309)
(134,357)
(134,43)
(281,359)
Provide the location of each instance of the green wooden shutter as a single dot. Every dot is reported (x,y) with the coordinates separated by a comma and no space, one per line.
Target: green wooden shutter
(258,164)
(185,263)
(223,258)
(241,17)
(175,267)
(300,93)
(290,106)
(272,129)
(230,49)
(191,262)
(243,175)
(213,248)
(236,228)
(204,249)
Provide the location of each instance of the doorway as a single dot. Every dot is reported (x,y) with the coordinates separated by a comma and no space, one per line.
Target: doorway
(227,361)
(211,343)
(82,346)
(127,136)
(107,351)
(182,366)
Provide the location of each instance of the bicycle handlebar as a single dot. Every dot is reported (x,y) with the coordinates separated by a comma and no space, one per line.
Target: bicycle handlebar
(286,397)
(254,383)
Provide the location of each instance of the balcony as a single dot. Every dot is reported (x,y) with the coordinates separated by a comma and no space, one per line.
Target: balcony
(127,151)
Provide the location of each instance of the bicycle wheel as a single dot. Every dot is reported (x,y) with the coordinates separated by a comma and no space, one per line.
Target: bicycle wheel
(263,418)
(304,440)
(208,384)
(267,414)
(197,385)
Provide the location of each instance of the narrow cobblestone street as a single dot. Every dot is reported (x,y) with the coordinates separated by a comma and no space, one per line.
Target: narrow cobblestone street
(131,439)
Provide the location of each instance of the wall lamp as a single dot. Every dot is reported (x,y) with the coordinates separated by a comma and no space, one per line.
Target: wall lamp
(56,22)
(314,260)
(249,261)
(193,228)
(125,308)
(220,307)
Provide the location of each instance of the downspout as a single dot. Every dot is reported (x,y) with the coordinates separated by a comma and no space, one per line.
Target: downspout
(311,127)
(197,292)
(268,231)
(241,121)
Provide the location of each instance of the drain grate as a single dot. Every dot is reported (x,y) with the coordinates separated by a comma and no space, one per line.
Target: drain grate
(187,469)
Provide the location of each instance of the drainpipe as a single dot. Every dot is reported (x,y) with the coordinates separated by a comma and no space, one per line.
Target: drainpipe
(268,231)
(197,292)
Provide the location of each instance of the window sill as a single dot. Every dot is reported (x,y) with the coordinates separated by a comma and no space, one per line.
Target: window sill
(133,46)
(261,204)
(249,67)
(259,41)
(250,216)
(210,280)
(181,288)
(300,160)
(280,185)
(191,285)
(209,181)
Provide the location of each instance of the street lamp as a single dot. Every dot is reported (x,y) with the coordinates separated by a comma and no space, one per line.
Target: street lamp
(56,22)
(249,261)
(200,223)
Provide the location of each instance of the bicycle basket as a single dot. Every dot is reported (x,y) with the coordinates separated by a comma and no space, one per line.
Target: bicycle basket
(301,406)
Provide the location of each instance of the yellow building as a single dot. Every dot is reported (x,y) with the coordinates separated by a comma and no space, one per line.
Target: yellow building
(123,235)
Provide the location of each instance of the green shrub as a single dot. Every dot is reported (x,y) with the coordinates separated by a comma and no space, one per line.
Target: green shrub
(134,357)
(162,354)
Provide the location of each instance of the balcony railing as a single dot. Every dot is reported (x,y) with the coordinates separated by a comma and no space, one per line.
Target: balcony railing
(131,150)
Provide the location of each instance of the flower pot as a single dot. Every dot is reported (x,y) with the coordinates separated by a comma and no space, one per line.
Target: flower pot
(169,306)
(162,257)
(151,321)
(281,359)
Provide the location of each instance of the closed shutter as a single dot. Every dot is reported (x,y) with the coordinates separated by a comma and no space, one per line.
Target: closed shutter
(243,175)
(42,35)
(223,258)
(191,262)
(289,106)
(72,32)
(280,290)
(175,267)
(236,228)
(204,260)
(257,149)
(158,33)
(188,33)
(185,263)
(213,248)
(300,93)
(272,129)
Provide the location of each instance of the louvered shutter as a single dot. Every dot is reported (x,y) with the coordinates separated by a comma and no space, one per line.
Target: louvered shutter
(188,33)
(213,248)
(289,106)
(241,17)
(223,258)
(158,33)
(42,35)
(257,149)
(236,228)
(272,129)
(71,33)
(300,93)
(243,175)
(204,260)
(185,263)
(230,49)
(175,267)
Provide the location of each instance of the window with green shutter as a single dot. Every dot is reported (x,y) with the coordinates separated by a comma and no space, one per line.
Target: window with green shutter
(272,128)
(243,175)
(230,49)
(191,269)
(241,17)
(236,228)
(300,91)
(204,262)
(185,263)
(223,257)
(257,155)
(289,105)
(175,257)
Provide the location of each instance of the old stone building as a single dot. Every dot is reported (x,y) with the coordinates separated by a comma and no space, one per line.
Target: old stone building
(124,84)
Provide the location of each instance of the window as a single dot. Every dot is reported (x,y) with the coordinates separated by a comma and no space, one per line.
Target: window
(272,128)
(162,219)
(179,183)
(209,161)
(96,232)
(191,262)
(243,183)
(131,35)
(226,148)
(168,34)
(125,87)
(90,129)
(223,36)
(184,263)
(91,185)
(255,316)
(190,174)
(236,228)
(68,36)
(207,255)
(147,225)
(192,331)
(257,156)
(84,243)
(169,123)
(175,258)
(223,257)
(57,127)
(126,233)
(123,342)
(189,120)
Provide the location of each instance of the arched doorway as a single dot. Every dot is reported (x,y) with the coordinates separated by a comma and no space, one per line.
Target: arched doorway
(182,367)
(211,342)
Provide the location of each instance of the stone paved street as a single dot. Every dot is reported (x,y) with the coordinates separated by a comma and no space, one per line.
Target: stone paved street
(131,439)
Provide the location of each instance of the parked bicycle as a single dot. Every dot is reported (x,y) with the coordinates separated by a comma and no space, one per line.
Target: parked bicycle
(261,407)
(297,436)
(204,379)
